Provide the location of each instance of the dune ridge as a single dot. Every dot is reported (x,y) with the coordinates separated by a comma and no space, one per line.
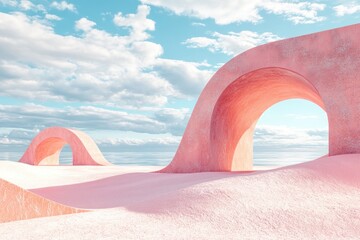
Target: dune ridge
(313,200)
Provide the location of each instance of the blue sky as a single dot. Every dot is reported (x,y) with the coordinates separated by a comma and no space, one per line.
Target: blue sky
(129,72)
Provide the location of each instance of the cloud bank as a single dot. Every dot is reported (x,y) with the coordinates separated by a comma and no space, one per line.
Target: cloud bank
(229,11)
(94,67)
(232,43)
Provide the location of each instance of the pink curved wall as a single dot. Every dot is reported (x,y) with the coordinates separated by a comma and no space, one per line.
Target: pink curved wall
(47,145)
(19,204)
(321,67)
(240,106)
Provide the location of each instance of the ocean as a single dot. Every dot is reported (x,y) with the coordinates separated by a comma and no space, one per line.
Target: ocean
(261,158)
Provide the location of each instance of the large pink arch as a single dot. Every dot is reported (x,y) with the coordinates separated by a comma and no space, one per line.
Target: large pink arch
(321,67)
(47,145)
(240,106)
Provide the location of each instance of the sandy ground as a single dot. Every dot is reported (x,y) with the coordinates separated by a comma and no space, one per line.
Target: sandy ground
(314,200)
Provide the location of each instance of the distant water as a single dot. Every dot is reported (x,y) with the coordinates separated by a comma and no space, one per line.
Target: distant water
(285,158)
(264,158)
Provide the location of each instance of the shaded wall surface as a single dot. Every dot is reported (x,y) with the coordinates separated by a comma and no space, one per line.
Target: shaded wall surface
(321,67)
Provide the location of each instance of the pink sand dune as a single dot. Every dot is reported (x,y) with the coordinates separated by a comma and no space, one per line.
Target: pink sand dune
(132,188)
(314,200)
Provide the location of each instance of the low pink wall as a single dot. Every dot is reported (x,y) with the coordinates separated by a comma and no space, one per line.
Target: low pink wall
(19,204)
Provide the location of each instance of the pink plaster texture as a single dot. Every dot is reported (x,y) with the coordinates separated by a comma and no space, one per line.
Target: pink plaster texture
(18,204)
(321,67)
(210,199)
(313,200)
(47,145)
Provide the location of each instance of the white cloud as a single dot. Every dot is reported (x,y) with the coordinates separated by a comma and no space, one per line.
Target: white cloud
(31,116)
(277,137)
(269,139)
(138,23)
(84,24)
(280,145)
(21,135)
(17,140)
(229,11)
(186,77)
(96,66)
(27,121)
(297,12)
(348,9)
(231,43)
(11,3)
(52,17)
(198,24)
(301,117)
(175,119)
(63,5)
(158,144)
(24,5)
(7,141)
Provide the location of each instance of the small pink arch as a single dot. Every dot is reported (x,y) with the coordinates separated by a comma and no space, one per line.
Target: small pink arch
(47,145)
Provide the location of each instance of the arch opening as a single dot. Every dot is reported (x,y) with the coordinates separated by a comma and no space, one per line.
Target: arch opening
(240,106)
(290,132)
(54,151)
(66,155)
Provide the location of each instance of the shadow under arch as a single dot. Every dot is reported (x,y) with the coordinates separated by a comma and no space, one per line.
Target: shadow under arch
(240,106)
(45,148)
